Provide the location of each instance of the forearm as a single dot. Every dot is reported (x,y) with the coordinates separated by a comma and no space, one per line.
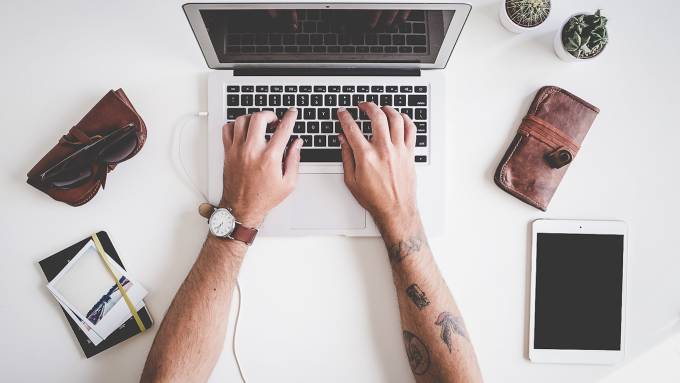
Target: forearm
(437,343)
(191,336)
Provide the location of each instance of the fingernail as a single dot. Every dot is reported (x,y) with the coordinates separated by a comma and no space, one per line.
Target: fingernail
(292,109)
(298,144)
(341,110)
(342,139)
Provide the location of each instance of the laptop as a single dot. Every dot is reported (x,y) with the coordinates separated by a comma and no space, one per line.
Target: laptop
(319,57)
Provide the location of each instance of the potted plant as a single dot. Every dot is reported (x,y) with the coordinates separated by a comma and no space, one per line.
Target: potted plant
(524,15)
(582,37)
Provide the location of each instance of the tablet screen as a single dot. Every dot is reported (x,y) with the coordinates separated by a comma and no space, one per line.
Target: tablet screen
(578,291)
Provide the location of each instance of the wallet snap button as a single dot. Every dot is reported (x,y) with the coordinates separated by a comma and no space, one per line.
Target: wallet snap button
(559,158)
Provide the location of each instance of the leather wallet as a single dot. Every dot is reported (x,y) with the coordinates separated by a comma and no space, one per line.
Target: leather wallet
(112,112)
(546,142)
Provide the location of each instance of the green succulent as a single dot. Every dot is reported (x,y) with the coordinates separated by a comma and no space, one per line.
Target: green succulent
(585,36)
(527,13)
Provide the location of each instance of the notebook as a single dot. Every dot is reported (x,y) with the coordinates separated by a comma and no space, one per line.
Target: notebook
(52,265)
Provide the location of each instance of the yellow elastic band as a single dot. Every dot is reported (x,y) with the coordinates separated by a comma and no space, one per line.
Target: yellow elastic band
(100,249)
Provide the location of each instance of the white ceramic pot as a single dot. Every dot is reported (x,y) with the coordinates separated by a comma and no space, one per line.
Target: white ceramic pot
(511,26)
(559,47)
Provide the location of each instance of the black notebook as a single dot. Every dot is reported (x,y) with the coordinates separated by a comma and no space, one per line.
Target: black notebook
(52,265)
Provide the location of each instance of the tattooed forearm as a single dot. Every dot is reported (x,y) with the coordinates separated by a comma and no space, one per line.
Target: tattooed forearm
(450,324)
(403,248)
(417,296)
(418,355)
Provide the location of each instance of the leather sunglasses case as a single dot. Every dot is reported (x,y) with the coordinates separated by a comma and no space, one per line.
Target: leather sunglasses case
(546,142)
(112,112)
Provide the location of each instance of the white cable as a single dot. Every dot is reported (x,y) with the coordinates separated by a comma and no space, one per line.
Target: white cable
(182,170)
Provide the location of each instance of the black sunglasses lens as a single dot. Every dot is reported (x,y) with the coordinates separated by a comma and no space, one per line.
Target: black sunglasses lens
(120,149)
(69,176)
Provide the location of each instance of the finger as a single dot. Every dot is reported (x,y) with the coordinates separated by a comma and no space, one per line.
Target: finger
(351,130)
(258,126)
(291,164)
(282,133)
(373,18)
(348,164)
(396,124)
(403,15)
(290,19)
(378,121)
(205,210)
(409,132)
(240,128)
(227,134)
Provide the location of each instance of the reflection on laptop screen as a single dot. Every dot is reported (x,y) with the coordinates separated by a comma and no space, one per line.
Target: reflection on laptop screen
(317,35)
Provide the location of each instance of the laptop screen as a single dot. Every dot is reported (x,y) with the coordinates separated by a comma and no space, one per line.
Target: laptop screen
(326,35)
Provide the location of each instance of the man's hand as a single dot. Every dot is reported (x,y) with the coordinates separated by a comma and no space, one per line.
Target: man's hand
(257,177)
(380,173)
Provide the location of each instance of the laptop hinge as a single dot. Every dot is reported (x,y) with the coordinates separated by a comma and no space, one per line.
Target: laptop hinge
(327,72)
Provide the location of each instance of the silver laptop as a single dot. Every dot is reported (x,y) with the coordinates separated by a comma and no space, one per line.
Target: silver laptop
(318,57)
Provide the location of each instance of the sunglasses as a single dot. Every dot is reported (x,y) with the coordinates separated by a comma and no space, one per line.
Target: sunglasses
(75,169)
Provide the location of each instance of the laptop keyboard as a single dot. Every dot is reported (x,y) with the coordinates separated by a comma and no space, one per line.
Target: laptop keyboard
(317,34)
(317,106)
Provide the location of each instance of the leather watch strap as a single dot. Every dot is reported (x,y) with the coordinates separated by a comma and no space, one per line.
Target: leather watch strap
(244,234)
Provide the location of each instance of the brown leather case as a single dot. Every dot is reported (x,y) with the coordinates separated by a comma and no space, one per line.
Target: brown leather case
(547,140)
(112,112)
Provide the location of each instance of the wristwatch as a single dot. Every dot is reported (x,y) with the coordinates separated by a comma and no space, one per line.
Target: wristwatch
(223,224)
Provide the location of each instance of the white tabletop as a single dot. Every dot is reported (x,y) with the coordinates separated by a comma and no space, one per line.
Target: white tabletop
(324,309)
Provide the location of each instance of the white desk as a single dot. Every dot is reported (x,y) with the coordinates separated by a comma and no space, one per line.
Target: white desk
(324,309)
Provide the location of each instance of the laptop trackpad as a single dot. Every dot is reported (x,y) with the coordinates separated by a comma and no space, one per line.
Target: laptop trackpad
(322,201)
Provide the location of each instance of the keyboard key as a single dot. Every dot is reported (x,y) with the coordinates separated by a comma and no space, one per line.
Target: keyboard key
(399,100)
(323,113)
(334,113)
(232,100)
(247,89)
(299,127)
(317,39)
(269,109)
(371,39)
(421,127)
(363,88)
(417,100)
(330,100)
(260,99)
(276,88)
(384,39)
(319,88)
(327,127)
(348,49)
(302,100)
(310,114)
(419,28)
(377,89)
(333,49)
(320,141)
(317,100)
(232,113)
(392,89)
(348,89)
(274,99)
(253,110)
(421,140)
(404,49)
(415,39)
(305,88)
(376,49)
(421,114)
(366,127)
(385,99)
(354,112)
(281,111)
(344,100)
(362,49)
(312,126)
(372,98)
(291,88)
(419,50)
(330,39)
(306,140)
(334,88)
(421,89)
(398,39)
(421,158)
(262,88)
(357,98)
(289,99)
(302,39)
(363,115)
(320,155)
(406,89)
(247,99)
(333,140)
(391,49)
(408,112)
(270,128)
(232,88)
(338,127)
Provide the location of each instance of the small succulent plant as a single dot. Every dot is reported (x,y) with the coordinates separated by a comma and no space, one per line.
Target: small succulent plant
(527,13)
(585,36)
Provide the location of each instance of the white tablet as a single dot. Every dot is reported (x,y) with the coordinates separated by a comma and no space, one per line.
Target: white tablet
(578,292)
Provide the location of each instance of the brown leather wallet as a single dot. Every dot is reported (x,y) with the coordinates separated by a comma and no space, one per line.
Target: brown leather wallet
(546,142)
(112,112)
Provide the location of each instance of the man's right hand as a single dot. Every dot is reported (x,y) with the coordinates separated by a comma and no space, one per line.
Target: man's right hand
(380,173)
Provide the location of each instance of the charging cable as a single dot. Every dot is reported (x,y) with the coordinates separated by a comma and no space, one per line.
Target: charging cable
(184,173)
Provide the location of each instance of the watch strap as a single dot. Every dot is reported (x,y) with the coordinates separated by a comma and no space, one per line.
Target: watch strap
(244,234)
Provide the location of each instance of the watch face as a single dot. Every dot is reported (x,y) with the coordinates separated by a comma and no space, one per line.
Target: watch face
(221,223)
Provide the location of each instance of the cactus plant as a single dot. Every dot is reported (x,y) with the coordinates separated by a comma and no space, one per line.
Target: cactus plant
(585,36)
(527,13)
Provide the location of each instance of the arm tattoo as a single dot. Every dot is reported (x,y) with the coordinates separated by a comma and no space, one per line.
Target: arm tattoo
(450,324)
(417,296)
(418,356)
(402,249)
